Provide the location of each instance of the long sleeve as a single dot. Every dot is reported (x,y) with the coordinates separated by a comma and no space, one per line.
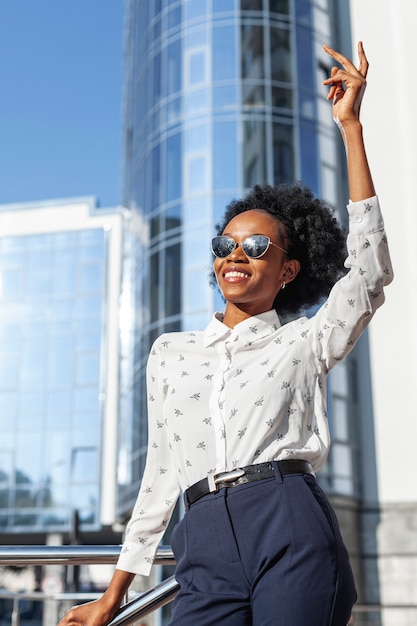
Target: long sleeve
(159,488)
(354,299)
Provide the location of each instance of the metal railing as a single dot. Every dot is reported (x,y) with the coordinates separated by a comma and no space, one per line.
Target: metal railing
(137,608)
(140,606)
(72,555)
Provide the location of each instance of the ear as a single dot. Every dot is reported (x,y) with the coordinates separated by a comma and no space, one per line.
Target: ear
(290,270)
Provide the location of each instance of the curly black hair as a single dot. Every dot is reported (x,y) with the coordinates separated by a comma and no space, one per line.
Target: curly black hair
(311,234)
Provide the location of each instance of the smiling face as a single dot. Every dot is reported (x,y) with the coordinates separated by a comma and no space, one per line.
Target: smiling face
(250,286)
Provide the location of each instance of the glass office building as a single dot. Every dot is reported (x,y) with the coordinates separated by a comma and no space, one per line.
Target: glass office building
(56,385)
(219,95)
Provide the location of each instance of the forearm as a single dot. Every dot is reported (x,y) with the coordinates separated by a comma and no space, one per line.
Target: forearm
(117,589)
(359,175)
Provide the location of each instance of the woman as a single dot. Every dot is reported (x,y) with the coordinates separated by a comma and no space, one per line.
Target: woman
(237,413)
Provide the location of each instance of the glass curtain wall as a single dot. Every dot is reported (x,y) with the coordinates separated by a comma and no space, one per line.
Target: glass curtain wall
(52,291)
(219,95)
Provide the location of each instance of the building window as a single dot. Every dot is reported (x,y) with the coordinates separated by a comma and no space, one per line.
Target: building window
(341,419)
(84,465)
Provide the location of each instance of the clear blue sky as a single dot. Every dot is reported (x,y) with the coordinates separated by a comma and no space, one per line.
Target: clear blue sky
(60,99)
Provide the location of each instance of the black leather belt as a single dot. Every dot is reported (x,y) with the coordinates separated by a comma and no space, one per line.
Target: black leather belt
(241,475)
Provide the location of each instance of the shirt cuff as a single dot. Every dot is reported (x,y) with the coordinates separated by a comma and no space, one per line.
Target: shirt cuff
(365,216)
(136,558)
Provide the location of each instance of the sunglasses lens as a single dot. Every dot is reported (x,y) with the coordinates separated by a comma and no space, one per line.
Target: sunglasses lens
(222,246)
(255,246)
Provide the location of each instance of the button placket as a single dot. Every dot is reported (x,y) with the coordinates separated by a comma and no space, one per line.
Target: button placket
(217,405)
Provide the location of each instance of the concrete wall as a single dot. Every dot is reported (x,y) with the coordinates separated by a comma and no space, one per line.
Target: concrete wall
(387,28)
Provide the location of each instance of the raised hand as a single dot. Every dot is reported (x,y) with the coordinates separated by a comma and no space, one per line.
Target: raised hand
(347,85)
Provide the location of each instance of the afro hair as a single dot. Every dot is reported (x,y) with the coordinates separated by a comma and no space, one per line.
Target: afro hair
(311,234)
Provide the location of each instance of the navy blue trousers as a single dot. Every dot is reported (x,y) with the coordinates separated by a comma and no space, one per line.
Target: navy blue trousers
(265,553)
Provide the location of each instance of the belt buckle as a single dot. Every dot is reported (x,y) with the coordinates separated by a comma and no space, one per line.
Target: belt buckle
(226,477)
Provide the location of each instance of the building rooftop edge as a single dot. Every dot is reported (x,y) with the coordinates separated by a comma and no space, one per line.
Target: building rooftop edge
(91,201)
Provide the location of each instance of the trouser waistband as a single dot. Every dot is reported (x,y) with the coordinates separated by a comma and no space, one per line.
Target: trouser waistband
(258,471)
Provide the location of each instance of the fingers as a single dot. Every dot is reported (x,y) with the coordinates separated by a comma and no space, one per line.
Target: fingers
(340,58)
(348,77)
(335,85)
(347,64)
(363,61)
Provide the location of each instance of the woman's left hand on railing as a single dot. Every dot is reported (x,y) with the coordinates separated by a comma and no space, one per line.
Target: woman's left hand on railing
(94,613)
(100,612)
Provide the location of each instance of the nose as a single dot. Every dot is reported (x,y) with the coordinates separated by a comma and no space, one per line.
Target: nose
(237,255)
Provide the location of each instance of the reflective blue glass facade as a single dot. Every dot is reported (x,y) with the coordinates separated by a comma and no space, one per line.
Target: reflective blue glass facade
(219,95)
(52,290)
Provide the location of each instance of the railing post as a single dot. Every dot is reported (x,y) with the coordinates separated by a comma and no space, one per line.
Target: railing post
(53,576)
(16,613)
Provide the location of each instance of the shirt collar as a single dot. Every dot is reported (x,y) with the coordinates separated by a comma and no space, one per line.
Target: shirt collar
(257,327)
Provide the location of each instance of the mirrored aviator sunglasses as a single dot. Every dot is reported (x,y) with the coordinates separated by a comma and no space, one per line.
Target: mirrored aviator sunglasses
(253,246)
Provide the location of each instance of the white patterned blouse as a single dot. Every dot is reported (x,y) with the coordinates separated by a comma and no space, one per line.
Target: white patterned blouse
(225,398)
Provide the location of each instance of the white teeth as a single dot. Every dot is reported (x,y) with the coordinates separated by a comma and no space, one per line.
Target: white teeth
(235,274)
